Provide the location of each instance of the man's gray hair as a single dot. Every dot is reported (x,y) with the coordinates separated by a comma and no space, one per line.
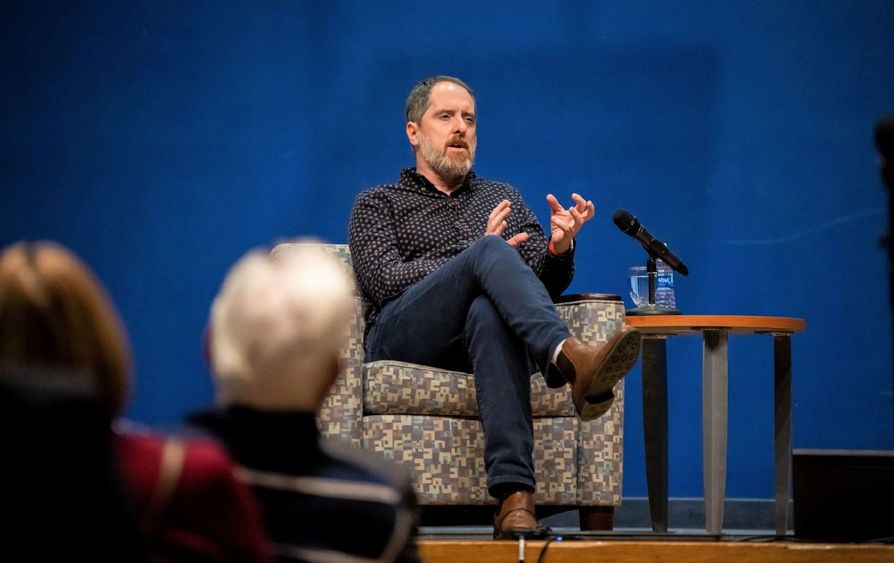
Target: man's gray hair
(420,96)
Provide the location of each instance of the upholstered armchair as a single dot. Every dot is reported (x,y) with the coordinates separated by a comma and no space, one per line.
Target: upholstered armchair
(428,418)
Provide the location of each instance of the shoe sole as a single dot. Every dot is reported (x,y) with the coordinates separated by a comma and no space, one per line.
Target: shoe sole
(621,359)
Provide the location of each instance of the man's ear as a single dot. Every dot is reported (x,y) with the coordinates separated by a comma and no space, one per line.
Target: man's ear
(413,133)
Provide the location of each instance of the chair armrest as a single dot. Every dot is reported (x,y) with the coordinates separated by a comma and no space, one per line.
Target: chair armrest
(575,297)
(593,318)
(341,412)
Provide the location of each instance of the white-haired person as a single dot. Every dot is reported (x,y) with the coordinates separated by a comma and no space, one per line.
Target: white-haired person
(276,328)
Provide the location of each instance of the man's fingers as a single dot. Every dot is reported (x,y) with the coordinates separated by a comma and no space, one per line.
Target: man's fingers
(589,210)
(518,239)
(499,217)
(500,206)
(554,204)
(496,221)
(496,228)
(585,207)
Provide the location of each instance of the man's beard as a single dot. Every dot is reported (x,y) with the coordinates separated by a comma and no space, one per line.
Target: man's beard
(446,164)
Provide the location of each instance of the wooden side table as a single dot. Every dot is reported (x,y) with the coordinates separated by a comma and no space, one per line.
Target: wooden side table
(715,331)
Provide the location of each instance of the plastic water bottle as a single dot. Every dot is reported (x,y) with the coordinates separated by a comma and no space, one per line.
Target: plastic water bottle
(664,287)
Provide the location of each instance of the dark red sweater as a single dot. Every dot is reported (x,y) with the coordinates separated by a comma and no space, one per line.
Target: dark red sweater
(212,517)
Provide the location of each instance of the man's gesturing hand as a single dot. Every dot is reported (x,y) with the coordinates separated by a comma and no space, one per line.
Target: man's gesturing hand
(496,223)
(564,223)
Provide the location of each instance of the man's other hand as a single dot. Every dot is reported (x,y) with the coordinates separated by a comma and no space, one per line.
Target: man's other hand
(496,223)
(565,223)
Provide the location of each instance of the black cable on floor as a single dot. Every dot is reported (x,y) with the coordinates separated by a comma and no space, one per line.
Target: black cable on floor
(549,540)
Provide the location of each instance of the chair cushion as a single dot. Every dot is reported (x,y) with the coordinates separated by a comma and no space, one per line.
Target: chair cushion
(447,455)
(391,387)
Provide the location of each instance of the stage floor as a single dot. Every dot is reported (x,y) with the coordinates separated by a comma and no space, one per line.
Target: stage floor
(474,544)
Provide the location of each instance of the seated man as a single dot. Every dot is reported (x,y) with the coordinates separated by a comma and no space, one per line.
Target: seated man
(456,272)
(276,330)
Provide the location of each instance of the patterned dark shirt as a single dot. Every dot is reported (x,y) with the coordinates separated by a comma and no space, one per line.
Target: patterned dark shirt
(400,233)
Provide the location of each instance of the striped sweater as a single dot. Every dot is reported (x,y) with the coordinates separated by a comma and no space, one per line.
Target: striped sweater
(321,500)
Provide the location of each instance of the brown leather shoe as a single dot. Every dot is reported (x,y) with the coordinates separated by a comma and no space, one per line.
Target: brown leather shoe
(515,516)
(592,371)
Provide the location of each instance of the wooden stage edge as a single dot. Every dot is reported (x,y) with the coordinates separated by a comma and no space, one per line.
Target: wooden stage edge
(635,551)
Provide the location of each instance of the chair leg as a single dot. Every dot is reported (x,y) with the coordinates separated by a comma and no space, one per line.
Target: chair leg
(597,518)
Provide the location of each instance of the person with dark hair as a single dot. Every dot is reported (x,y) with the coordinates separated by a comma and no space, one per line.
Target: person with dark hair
(456,272)
(276,329)
(55,316)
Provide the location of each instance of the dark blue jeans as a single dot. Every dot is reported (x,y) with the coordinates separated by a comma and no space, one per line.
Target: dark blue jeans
(484,311)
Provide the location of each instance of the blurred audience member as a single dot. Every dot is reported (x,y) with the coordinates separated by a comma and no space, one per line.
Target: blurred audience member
(277,326)
(59,481)
(56,316)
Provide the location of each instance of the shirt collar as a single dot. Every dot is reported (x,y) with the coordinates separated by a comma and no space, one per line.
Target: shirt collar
(416,182)
(236,419)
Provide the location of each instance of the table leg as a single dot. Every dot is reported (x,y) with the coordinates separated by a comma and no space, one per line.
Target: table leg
(714,425)
(782,401)
(654,372)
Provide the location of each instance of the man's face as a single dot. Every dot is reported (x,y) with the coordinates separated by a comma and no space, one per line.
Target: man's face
(445,138)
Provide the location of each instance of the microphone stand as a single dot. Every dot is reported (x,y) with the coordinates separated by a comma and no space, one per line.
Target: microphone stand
(651,308)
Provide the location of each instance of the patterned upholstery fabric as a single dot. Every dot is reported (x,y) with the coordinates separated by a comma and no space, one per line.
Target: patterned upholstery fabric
(428,418)
(402,388)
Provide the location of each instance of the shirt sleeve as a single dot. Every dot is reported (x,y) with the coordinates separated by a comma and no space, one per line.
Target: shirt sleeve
(381,272)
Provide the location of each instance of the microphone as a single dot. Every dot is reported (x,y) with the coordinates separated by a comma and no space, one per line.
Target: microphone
(631,225)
